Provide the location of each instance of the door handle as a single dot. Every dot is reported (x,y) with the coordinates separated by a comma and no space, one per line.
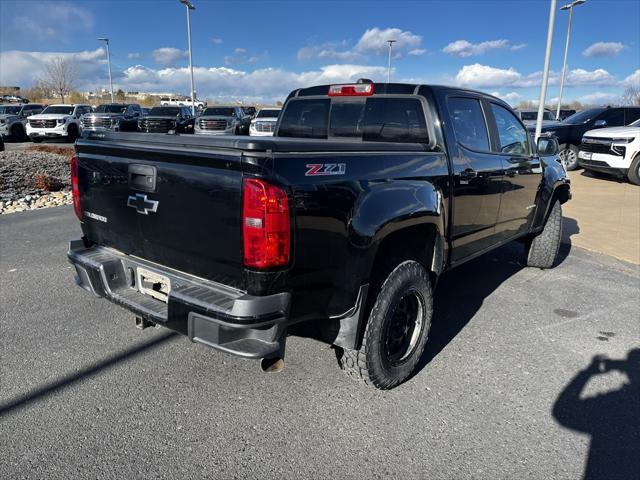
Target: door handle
(468,174)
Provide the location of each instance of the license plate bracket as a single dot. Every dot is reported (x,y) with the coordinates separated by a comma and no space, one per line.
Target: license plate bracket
(153,284)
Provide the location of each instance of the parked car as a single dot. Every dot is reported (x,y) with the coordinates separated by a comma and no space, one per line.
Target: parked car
(223,120)
(113,116)
(14,99)
(614,150)
(264,124)
(13,119)
(181,102)
(337,227)
(165,119)
(570,131)
(250,111)
(565,113)
(530,117)
(57,121)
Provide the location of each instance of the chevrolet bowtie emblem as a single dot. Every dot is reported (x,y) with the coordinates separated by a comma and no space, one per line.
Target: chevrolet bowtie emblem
(142,204)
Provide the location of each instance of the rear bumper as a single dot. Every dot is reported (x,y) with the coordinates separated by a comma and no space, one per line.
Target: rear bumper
(209,313)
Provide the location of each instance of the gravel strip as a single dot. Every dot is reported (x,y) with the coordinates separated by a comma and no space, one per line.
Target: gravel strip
(32,180)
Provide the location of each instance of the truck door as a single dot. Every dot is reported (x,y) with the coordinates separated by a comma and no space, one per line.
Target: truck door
(522,171)
(477,178)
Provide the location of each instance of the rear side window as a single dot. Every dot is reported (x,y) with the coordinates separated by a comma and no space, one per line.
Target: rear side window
(305,119)
(468,123)
(395,120)
(514,139)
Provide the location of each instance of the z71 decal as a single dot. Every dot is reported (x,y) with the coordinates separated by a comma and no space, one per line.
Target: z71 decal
(322,169)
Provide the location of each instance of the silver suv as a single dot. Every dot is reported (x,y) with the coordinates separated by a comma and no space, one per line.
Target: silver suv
(13,119)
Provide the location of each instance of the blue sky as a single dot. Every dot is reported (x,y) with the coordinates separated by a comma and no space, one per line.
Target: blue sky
(262,49)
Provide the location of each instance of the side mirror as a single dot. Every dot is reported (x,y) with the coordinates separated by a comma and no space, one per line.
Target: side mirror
(547,146)
(600,123)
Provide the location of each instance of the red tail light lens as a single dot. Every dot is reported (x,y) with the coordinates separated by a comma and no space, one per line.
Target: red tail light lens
(75,188)
(354,90)
(265,225)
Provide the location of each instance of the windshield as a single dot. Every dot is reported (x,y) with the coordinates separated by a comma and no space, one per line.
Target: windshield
(9,110)
(221,111)
(584,116)
(110,108)
(635,124)
(268,114)
(59,109)
(165,111)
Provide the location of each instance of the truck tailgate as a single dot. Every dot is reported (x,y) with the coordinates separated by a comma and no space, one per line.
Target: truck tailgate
(163,202)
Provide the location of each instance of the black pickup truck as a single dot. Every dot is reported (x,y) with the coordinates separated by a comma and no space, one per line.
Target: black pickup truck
(336,228)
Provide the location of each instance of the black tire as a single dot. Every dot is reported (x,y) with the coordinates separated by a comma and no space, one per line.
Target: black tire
(543,248)
(569,156)
(393,343)
(634,171)
(17,132)
(36,139)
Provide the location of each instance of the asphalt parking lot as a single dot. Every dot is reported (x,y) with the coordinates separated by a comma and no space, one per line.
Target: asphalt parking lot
(86,395)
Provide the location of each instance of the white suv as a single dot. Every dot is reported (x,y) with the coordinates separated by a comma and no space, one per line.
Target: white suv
(57,121)
(264,124)
(614,150)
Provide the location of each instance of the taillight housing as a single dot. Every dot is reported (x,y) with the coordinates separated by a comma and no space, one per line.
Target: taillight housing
(75,188)
(266,227)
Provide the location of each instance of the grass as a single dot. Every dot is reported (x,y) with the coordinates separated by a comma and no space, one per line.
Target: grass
(58,150)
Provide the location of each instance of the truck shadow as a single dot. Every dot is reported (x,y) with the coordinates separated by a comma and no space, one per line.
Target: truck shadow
(612,419)
(461,292)
(69,380)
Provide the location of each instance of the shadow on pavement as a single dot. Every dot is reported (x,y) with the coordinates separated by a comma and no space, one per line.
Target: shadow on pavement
(612,419)
(69,380)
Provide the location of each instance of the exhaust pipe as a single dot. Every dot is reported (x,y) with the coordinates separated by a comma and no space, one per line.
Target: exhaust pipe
(272,365)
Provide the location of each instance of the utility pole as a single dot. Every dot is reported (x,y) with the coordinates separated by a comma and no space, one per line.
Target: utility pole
(190,7)
(569,7)
(390,42)
(106,40)
(545,73)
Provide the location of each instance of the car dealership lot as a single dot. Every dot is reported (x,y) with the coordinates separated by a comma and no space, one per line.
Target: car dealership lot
(85,394)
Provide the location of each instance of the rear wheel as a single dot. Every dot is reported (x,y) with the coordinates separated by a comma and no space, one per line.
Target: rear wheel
(634,171)
(569,157)
(543,248)
(72,133)
(396,330)
(17,132)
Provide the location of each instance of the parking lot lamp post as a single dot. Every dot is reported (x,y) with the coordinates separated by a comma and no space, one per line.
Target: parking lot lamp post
(190,7)
(545,73)
(568,6)
(106,40)
(390,42)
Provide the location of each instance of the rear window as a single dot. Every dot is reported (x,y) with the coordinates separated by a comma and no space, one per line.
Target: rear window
(371,119)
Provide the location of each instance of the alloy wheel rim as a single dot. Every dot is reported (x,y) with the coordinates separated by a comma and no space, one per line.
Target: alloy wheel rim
(404,328)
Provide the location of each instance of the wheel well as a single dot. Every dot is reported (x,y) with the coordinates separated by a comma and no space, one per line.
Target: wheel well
(561,193)
(411,243)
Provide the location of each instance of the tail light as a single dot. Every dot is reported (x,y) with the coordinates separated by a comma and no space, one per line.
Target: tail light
(75,188)
(265,225)
(353,90)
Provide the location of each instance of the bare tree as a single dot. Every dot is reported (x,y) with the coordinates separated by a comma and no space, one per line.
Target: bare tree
(631,95)
(60,76)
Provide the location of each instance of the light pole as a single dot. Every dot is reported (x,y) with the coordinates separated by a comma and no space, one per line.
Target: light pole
(545,73)
(390,42)
(106,40)
(568,6)
(190,7)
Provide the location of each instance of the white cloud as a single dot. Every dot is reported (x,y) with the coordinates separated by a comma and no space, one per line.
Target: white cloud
(24,68)
(241,56)
(604,49)
(169,55)
(134,55)
(45,21)
(373,41)
(485,76)
(510,97)
(599,98)
(633,79)
(463,48)
(519,46)
(216,41)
